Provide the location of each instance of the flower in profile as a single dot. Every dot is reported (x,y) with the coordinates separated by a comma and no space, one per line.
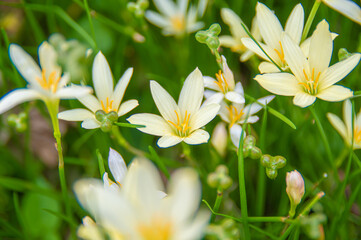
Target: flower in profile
(295,188)
(45,82)
(271,31)
(348,8)
(345,128)
(107,106)
(312,77)
(234,41)
(174,18)
(179,122)
(138,212)
(223,87)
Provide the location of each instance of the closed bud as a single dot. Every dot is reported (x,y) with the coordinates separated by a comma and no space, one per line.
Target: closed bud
(295,186)
(219,138)
(255,153)
(219,179)
(272,164)
(18,121)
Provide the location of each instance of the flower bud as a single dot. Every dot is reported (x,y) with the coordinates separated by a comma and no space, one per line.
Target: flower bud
(219,179)
(18,121)
(272,164)
(210,36)
(295,186)
(219,138)
(100,115)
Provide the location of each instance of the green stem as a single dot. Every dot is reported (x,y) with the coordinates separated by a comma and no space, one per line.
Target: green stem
(124,143)
(310,19)
(261,183)
(242,189)
(86,6)
(357,160)
(217,204)
(342,156)
(100,163)
(158,161)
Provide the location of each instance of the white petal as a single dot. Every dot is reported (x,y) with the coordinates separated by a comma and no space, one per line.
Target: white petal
(197,228)
(346,7)
(25,64)
(64,80)
(121,87)
(166,7)
(48,60)
(156,19)
(102,78)
(191,94)
(234,22)
(321,46)
(117,165)
(279,83)
(294,24)
(90,102)
(269,25)
(224,112)
(182,6)
(235,133)
(228,41)
(228,74)
(219,138)
(154,124)
(214,98)
(165,103)
(127,106)
(90,123)
(239,88)
(211,83)
(267,67)
(73,91)
(78,114)
(303,99)
(16,97)
(251,45)
(197,137)
(338,71)
(256,107)
(250,119)
(335,93)
(109,184)
(246,56)
(338,125)
(235,97)
(168,141)
(204,115)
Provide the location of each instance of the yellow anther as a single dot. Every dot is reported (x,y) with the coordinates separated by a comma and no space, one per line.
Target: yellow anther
(50,84)
(181,126)
(234,115)
(178,23)
(109,106)
(357,135)
(158,228)
(311,83)
(221,82)
(280,53)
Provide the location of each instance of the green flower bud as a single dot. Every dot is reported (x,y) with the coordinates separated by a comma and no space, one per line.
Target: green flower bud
(250,140)
(210,36)
(255,153)
(100,115)
(219,178)
(112,116)
(271,173)
(18,122)
(272,164)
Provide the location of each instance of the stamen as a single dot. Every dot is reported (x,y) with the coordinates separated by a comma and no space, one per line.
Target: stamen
(48,84)
(109,107)
(281,54)
(181,127)
(221,81)
(234,115)
(357,135)
(311,83)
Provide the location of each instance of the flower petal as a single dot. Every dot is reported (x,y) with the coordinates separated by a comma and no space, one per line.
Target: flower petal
(25,64)
(197,137)
(204,115)
(127,106)
(239,88)
(211,83)
(234,22)
(90,102)
(338,125)
(216,97)
(164,102)
(348,8)
(251,45)
(267,67)
(228,41)
(294,24)
(73,91)
(235,97)
(16,97)
(168,141)
(166,7)
(48,59)
(109,184)
(102,78)
(154,124)
(156,19)
(228,74)
(235,133)
(117,165)
(279,83)
(335,93)
(90,123)
(78,114)
(303,99)
(191,95)
(256,107)
(121,87)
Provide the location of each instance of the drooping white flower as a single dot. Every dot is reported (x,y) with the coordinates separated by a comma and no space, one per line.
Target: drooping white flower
(271,31)
(138,212)
(234,41)
(179,122)
(312,77)
(345,128)
(45,82)
(224,87)
(174,19)
(107,101)
(348,8)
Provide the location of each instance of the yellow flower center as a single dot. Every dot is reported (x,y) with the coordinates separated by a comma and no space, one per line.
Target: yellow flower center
(238,48)
(178,23)
(357,135)
(281,54)
(108,107)
(50,84)
(234,114)
(158,229)
(182,126)
(221,82)
(311,82)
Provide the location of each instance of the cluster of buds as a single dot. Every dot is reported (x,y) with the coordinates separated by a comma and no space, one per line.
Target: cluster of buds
(219,178)
(295,188)
(227,229)
(250,149)
(272,164)
(106,119)
(18,121)
(210,37)
(138,8)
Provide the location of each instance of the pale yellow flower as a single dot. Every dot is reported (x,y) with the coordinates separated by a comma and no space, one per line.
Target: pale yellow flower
(348,8)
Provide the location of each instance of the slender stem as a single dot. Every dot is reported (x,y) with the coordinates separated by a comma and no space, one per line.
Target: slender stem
(217,203)
(125,144)
(86,6)
(100,163)
(357,160)
(310,19)
(242,189)
(342,156)
(261,183)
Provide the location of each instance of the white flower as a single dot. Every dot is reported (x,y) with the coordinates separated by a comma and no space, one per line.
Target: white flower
(178,122)
(137,211)
(46,83)
(235,132)
(118,168)
(345,128)
(271,31)
(234,42)
(108,100)
(174,18)
(240,114)
(348,8)
(223,87)
(312,77)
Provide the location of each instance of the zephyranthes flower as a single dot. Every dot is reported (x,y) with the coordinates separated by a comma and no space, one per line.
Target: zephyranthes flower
(345,128)
(45,83)
(271,31)
(312,77)
(175,20)
(348,8)
(107,106)
(139,212)
(118,168)
(235,25)
(178,122)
